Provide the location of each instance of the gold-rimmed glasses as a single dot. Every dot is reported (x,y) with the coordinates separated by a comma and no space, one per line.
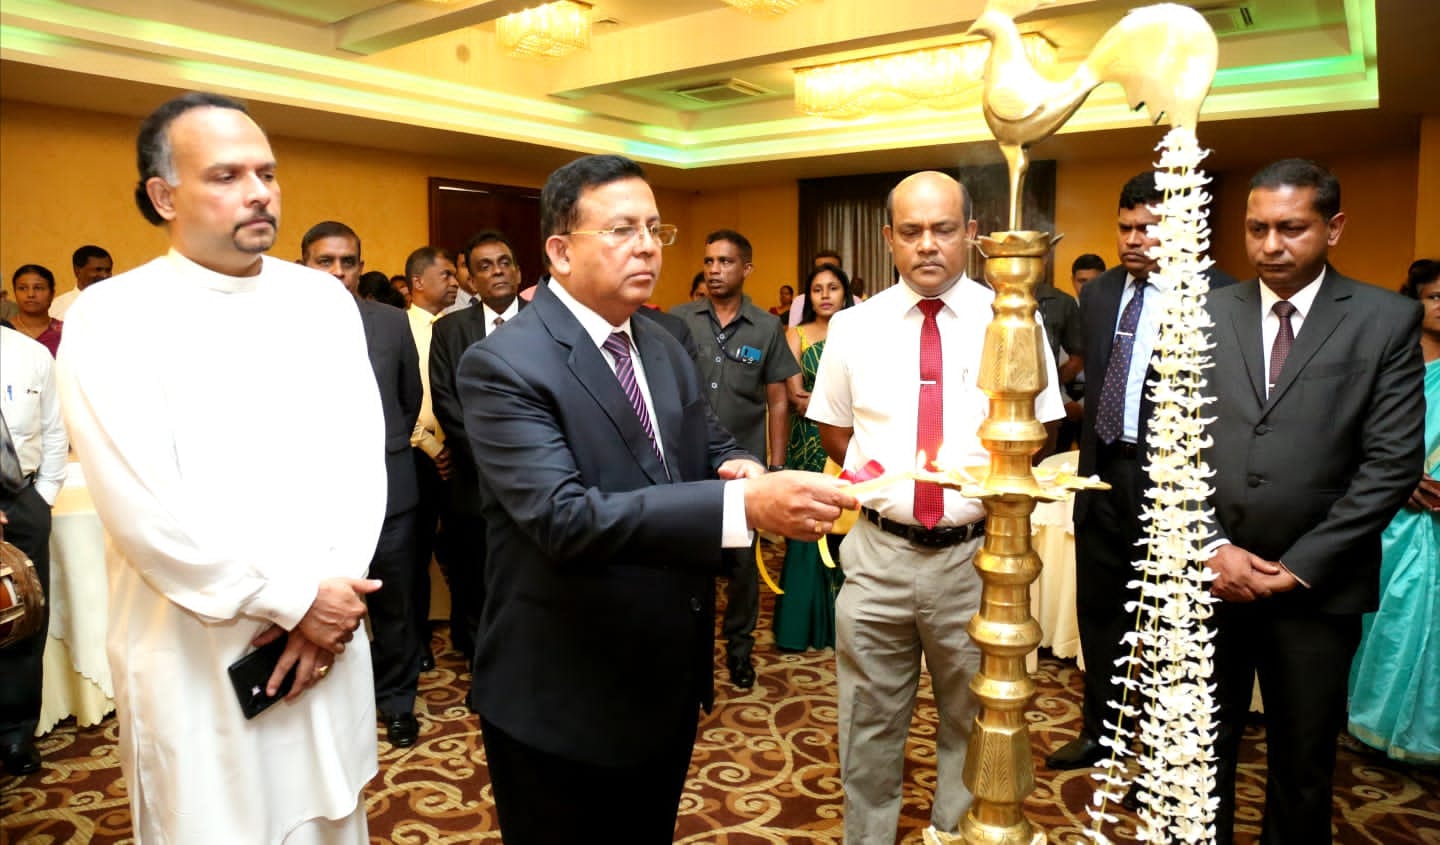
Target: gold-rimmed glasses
(662,233)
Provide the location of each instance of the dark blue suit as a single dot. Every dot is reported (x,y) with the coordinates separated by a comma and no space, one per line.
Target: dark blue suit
(397,647)
(594,653)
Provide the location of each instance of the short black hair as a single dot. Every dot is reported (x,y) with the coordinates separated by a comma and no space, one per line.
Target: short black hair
(82,256)
(1421,273)
(562,190)
(488,236)
(327,229)
(153,155)
(421,259)
(1088,261)
(741,242)
(807,311)
(696,282)
(827,253)
(1302,173)
(1140,191)
(39,270)
(376,285)
(784,288)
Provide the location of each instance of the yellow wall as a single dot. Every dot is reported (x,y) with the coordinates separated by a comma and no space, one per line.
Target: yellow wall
(767,215)
(1427,206)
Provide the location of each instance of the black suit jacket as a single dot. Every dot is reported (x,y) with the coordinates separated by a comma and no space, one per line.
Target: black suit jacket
(450,336)
(597,634)
(397,374)
(1099,311)
(1313,474)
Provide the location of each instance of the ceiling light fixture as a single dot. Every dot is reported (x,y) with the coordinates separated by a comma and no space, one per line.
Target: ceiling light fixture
(553,29)
(765,8)
(937,78)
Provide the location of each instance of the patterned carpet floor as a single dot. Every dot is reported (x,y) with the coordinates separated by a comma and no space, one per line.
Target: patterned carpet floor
(765,770)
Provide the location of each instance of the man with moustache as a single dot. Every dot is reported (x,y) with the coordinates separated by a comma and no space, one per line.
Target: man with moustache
(460,548)
(187,437)
(899,375)
(1121,311)
(1318,441)
(433,288)
(396,646)
(744,362)
(91,264)
(609,489)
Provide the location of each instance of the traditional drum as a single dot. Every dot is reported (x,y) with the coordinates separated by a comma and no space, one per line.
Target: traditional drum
(22,600)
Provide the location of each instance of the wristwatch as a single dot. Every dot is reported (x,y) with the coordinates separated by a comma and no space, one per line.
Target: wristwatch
(775,468)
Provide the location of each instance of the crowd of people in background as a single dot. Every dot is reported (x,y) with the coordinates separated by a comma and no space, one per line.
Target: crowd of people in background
(583,467)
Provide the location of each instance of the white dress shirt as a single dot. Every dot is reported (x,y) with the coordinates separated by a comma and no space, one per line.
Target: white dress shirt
(31,407)
(61,304)
(491,315)
(735,532)
(869,380)
(462,301)
(1303,300)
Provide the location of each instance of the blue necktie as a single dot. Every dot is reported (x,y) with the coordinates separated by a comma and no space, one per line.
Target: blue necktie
(1110,420)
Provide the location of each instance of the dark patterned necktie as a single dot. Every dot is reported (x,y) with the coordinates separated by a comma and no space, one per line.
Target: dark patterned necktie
(499,321)
(618,345)
(12,479)
(930,420)
(1284,339)
(1110,418)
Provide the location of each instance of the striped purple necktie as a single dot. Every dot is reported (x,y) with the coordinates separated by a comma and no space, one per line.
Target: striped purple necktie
(618,345)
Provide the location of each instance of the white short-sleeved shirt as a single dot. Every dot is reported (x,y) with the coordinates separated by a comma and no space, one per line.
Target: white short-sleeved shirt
(869,380)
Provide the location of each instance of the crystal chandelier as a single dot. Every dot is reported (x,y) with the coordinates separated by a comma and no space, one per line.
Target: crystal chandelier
(553,29)
(937,78)
(771,8)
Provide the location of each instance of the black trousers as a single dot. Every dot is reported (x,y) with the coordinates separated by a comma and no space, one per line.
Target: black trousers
(20,664)
(1302,659)
(742,603)
(427,516)
(1105,553)
(397,645)
(460,550)
(545,799)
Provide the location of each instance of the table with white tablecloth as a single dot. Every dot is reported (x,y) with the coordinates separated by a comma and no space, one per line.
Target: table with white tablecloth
(76,672)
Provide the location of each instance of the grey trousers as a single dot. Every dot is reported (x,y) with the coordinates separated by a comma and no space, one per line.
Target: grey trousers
(898,602)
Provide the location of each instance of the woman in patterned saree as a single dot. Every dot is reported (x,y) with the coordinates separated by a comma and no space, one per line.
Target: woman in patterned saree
(805,613)
(1395,679)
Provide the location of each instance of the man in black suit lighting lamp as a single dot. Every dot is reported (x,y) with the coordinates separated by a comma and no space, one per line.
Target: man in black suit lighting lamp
(608,490)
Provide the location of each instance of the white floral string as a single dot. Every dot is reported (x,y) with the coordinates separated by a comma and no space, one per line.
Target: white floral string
(1167,701)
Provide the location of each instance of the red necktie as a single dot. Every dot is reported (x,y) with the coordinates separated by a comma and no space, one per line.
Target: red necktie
(930,421)
(1284,339)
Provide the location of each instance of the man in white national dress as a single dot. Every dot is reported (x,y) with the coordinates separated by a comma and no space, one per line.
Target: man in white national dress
(226,530)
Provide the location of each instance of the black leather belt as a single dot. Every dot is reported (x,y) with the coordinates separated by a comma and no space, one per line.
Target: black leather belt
(1120,449)
(931,538)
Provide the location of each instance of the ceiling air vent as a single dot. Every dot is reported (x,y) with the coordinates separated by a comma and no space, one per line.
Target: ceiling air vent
(721,93)
(1227,20)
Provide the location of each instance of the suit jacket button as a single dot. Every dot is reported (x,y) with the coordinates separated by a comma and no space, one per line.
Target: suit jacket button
(694,604)
(1255,480)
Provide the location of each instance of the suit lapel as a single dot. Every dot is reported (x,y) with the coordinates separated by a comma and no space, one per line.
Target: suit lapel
(1245,321)
(1326,314)
(593,373)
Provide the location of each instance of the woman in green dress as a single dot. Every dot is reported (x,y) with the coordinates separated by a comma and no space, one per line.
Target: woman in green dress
(805,612)
(1395,679)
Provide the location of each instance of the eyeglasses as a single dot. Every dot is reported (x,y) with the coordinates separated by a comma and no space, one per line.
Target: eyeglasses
(662,233)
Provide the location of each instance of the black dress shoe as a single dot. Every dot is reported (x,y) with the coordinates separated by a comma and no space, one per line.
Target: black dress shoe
(20,758)
(1131,801)
(401,729)
(742,675)
(1079,753)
